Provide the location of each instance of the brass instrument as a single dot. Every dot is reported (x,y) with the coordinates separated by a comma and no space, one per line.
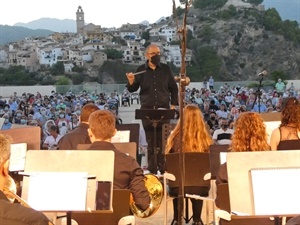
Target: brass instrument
(156,192)
(10,190)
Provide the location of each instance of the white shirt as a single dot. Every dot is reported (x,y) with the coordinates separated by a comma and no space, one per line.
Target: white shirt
(51,141)
(223,137)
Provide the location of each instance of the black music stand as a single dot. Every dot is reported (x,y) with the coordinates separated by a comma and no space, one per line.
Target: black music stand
(154,116)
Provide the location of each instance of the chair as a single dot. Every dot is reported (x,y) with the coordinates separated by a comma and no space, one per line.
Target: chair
(166,130)
(196,163)
(120,210)
(134,136)
(128,148)
(214,158)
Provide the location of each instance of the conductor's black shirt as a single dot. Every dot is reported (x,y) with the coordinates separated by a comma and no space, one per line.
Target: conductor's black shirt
(158,88)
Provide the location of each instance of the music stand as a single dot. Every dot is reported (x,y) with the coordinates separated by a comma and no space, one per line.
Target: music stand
(154,116)
(70,161)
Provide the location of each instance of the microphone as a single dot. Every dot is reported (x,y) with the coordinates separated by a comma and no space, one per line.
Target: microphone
(263,73)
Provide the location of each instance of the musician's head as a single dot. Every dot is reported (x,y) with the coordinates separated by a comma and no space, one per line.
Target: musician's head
(290,113)
(5,142)
(86,111)
(250,134)
(102,125)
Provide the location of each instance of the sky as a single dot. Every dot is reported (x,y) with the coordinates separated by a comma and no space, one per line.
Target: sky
(111,13)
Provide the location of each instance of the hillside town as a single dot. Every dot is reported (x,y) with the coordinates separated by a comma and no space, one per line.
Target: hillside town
(85,48)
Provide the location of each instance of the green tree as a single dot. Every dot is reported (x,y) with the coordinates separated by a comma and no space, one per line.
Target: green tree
(77,78)
(255,2)
(113,54)
(78,69)
(146,35)
(57,68)
(63,81)
(180,11)
(272,19)
(209,4)
(275,75)
(208,60)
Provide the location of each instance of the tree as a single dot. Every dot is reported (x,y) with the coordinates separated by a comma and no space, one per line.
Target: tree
(275,75)
(208,60)
(272,19)
(77,78)
(255,2)
(145,35)
(62,81)
(209,4)
(57,68)
(113,54)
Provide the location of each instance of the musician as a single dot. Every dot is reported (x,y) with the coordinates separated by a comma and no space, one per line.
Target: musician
(127,173)
(14,213)
(196,138)
(249,136)
(158,89)
(79,134)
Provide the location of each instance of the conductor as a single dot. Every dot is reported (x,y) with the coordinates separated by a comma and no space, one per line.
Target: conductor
(158,89)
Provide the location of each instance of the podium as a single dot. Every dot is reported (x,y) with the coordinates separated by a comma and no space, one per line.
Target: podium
(154,116)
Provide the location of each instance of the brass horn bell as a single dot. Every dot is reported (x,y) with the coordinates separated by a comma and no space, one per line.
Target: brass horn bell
(156,192)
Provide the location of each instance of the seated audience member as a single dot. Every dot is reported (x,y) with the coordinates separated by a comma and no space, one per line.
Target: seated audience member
(223,112)
(249,136)
(14,213)
(287,136)
(6,125)
(127,172)
(212,122)
(79,135)
(222,136)
(51,141)
(196,138)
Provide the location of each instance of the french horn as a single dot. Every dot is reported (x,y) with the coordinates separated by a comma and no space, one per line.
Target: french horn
(156,192)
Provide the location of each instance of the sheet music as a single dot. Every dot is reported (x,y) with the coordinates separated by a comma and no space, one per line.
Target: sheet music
(121,136)
(275,191)
(223,157)
(58,191)
(1,122)
(17,157)
(270,126)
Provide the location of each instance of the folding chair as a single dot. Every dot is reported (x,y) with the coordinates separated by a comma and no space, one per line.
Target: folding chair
(196,163)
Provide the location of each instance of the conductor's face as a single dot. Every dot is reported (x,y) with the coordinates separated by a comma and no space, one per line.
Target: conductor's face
(153,55)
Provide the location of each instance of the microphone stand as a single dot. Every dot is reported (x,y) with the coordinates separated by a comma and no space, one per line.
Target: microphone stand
(258,93)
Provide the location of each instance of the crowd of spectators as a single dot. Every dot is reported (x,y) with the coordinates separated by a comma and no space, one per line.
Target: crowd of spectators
(56,113)
(221,108)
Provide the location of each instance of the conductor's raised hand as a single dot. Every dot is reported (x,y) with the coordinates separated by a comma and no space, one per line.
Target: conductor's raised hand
(130,77)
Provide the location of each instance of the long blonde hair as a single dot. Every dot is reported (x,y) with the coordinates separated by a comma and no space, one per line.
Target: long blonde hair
(195,136)
(249,134)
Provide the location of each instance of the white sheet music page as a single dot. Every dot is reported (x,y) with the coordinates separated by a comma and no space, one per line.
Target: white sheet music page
(121,136)
(17,157)
(1,122)
(267,187)
(58,191)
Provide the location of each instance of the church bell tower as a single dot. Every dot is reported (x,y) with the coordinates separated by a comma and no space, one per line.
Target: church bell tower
(80,20)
